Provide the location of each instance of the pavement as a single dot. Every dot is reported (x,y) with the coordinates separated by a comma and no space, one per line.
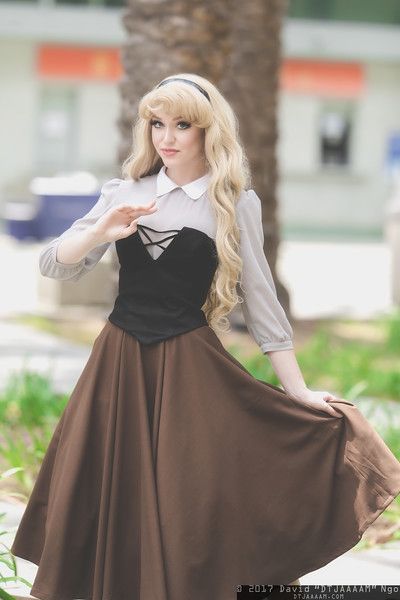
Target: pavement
(324,279)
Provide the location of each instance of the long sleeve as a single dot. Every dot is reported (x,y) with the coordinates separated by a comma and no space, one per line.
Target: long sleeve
(264,316)
(48,263)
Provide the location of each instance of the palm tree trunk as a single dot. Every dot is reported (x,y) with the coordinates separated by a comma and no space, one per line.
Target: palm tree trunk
(167,37)
(252,85)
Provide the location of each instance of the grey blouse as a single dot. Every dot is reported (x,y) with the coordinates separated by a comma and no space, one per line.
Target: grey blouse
(180,206)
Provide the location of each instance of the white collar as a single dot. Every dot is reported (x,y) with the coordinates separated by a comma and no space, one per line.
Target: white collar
(194,189)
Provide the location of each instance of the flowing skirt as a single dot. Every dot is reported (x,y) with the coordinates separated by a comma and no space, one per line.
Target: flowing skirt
(173,473)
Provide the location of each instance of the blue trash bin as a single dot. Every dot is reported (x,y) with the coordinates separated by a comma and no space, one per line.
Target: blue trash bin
(20,220)
(57,212)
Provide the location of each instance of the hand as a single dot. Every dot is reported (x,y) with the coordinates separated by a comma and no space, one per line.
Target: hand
(121,221)
(317,399)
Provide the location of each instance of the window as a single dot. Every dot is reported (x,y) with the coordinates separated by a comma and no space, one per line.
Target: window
(335,126)
(56,125)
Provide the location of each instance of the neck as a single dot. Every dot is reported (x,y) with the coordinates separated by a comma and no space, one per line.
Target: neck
(182,177)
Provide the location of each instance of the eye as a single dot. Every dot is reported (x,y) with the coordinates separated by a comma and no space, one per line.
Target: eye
(155,122)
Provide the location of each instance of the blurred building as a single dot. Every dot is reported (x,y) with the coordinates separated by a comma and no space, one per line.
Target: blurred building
(339,114)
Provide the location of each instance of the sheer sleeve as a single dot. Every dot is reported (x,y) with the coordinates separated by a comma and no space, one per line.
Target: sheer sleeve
(48,263)
(264,316)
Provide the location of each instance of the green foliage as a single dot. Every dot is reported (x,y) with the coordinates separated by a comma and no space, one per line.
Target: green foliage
(25,447)
(391,325)
(29,410)
(7,559)
(29,400)
(347,367)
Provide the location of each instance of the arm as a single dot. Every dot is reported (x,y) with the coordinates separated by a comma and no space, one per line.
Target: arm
(74,248)
(265,318)
(288,371)
(78,249)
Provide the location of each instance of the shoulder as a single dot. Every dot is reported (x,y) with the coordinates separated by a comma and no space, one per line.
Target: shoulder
(109,188)
(133,191)
(248,206)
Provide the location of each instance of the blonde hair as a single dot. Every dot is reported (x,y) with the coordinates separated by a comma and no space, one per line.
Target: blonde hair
(229,174)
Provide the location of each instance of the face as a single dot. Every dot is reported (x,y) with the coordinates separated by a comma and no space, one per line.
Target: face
(187,139)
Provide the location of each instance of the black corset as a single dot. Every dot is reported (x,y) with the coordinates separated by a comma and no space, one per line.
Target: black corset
(162,297)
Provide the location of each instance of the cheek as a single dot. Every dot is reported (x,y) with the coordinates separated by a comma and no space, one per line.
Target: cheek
(155,135)
(193,140)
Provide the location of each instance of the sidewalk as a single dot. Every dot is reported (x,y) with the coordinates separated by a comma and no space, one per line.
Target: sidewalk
(324,279)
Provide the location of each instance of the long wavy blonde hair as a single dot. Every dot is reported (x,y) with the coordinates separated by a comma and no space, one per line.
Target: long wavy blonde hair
(229,174)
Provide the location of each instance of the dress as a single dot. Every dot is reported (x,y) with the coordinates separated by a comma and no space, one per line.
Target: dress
(173,473)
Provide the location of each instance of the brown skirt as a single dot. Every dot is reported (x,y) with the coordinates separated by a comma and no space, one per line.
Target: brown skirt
(173,473)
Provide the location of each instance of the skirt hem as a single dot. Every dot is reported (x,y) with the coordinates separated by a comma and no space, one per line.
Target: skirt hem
(387,500)
(43,595)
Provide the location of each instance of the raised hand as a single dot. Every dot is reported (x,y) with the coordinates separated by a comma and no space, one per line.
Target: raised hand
(121,221)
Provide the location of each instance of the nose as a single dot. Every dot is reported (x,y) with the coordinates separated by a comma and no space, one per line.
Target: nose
(169,135)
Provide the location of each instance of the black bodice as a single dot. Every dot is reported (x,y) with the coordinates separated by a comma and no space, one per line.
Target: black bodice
(162,297)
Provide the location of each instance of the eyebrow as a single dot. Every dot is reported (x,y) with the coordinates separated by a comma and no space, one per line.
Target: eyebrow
(176,119)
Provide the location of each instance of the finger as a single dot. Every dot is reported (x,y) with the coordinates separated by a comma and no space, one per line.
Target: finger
(124,208)
(132,224)
(330,397)
(143,209)
(130,207)
(142,212)
(129,229)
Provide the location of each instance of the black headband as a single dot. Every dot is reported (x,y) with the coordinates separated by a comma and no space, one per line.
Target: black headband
(186,81)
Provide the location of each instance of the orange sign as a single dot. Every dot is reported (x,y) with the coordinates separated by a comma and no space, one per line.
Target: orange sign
(322,77)
(56,62)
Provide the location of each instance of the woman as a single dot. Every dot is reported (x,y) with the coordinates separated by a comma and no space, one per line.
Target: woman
(173,473)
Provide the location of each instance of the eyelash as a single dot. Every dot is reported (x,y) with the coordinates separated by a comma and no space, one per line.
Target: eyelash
(154,121)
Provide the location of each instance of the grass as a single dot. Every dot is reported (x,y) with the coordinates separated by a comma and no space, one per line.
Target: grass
(80,331)
(346,357)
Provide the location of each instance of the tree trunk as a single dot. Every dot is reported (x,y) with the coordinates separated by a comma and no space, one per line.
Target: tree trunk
(170,37)
(252,86)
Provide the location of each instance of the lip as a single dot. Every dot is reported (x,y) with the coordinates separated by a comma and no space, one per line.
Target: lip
(169,152)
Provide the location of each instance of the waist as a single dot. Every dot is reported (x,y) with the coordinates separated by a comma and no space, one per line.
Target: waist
(152,322)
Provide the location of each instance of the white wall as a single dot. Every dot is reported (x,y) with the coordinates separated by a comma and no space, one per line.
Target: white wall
(18,92)
(353,199)
(97,134)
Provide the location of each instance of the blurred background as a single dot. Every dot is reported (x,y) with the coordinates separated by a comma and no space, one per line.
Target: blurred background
(338,108)
(328,77)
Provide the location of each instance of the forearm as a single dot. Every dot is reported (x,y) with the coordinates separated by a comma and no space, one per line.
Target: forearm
(286,367)
(76,246)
